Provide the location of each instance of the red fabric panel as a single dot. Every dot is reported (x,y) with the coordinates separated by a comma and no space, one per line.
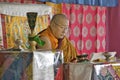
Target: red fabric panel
(87,27)
(4,31)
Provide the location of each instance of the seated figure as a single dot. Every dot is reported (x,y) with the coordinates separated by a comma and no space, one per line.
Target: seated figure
(54,37)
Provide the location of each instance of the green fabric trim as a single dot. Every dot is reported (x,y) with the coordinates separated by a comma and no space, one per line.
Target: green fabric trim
(38,40)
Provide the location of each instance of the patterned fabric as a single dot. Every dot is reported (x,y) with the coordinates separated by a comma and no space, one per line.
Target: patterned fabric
(56,8)
(87,27)
(116,73)
(12,66)
(17,28)
(105,74)
(15,65)
(86,2)
(107,71)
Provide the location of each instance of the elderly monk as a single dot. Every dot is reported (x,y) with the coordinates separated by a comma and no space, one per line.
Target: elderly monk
(54,37)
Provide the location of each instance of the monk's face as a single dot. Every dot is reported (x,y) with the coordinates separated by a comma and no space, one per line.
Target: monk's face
(60,29)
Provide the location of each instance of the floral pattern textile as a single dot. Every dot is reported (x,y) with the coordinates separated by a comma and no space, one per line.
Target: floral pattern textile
(87,27)
(17,28)
(107,71)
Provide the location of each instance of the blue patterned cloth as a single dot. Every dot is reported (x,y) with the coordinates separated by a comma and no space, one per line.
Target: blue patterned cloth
(107,3)
(18,66)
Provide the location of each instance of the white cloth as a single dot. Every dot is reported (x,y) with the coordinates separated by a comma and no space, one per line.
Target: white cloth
(20,9)
(43,68)
(46,64)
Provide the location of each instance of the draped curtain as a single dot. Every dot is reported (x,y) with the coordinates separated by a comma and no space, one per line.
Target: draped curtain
(87,27)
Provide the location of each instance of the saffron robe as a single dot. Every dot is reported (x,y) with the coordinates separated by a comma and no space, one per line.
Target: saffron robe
(64,44)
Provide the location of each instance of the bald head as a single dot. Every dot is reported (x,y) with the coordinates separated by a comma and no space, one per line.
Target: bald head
(59,24)
(60,19)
